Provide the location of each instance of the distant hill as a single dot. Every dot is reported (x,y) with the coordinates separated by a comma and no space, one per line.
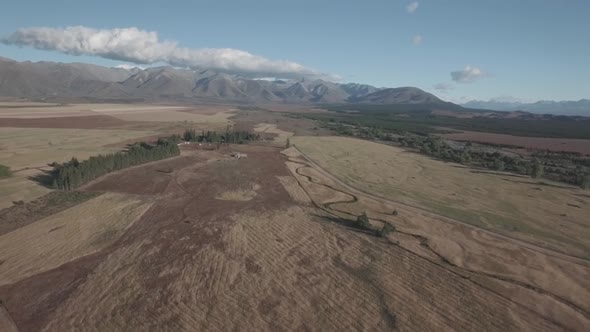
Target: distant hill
(580,107)
(404,95)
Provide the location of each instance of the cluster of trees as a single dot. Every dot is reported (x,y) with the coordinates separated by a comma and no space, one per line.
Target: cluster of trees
(74,173)
(362,221)
(227,137)
(5,171)
(437,147)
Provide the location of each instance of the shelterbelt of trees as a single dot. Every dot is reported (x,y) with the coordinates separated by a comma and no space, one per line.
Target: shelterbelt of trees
(227,137)
(74,173)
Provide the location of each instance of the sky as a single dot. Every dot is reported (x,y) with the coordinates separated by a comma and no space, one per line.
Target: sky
(460,50)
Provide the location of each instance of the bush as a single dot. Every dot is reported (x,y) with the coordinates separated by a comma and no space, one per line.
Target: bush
(536,169)
(363,220)
(386,230)
(498,165)
(5,171)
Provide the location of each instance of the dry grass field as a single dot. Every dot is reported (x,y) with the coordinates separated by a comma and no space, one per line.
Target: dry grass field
(67,235)
(40,110)
(287,258)
(204,241)
(280,137)
(28,150)
(35,134)
(19,187)
(551,215)
(36,147)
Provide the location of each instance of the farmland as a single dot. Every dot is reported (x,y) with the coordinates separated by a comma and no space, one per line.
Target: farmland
(550,214)
(33,135)
(270,240)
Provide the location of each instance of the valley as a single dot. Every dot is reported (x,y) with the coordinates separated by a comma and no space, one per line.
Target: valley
(272,240)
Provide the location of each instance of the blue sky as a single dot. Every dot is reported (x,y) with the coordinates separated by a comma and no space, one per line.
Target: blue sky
(523,49)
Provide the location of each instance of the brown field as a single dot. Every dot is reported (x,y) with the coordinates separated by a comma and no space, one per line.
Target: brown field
(35,134)
(67,235)
(204,241)
(287,258)
(250,119)
(553,144)
(80,122)
(546,214)
(30,111)
(280,136)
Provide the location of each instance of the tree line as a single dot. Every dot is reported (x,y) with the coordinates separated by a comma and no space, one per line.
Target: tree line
(74,173)
(568,167)
(227,137)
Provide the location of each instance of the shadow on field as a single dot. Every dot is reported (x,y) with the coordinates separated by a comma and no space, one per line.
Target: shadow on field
(44,178)
(499,173)
(541,183)
(347,223)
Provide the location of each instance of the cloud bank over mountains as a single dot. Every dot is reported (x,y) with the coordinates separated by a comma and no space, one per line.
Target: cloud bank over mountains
(145,47)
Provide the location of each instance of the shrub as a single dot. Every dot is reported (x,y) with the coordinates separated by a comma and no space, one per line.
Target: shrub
(387,228)
(363,220)
(5,171)
(536,169)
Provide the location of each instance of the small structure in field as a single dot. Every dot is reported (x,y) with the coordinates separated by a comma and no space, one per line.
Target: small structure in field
(239,155)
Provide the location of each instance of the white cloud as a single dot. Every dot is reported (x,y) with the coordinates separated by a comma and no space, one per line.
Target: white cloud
(417,40)
(412,6)
(444,87)
(128,66)
(469,74)
(144,47)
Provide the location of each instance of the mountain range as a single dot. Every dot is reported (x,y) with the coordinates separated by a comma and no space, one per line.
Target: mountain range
(50,80)
(580,107)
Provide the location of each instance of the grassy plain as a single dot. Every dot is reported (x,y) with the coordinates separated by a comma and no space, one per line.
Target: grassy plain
(555,216)
(204,241)
(36,147)
(281,135)
(19,187)
(67,235)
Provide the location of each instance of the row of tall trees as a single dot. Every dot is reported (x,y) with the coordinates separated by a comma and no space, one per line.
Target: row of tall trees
(227,137)
(72,174)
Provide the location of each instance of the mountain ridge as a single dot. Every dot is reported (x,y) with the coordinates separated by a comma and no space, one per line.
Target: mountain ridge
(53,80)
